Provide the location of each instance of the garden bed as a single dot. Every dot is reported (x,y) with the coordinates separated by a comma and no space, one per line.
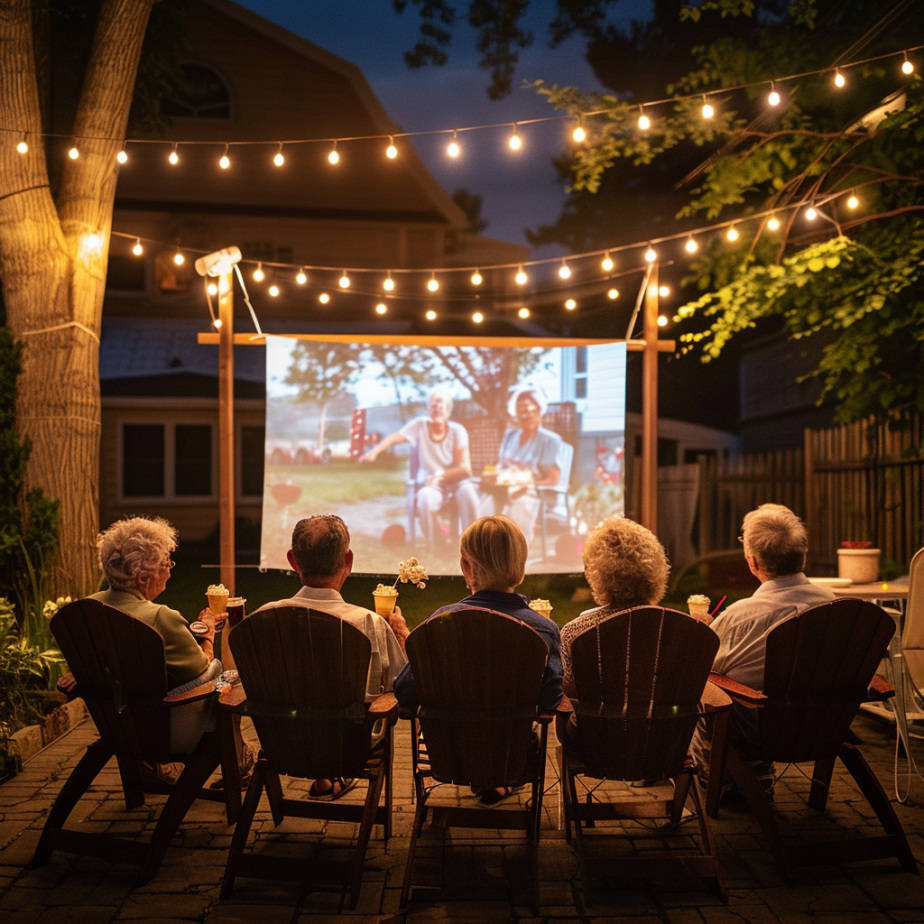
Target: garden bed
(61,718)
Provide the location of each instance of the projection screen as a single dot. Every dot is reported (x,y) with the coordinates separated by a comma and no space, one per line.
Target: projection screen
(409,443)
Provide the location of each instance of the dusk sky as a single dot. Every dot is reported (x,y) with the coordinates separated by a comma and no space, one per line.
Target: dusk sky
(520,190)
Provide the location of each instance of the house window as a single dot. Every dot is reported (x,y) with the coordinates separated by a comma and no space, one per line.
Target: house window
(167,461)
(580,372)
(200,94)
(251,456)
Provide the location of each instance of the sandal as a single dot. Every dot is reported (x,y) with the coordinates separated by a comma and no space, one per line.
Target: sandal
(338,787)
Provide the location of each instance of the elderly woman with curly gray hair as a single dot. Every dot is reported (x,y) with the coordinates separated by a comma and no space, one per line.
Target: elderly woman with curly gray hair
(134,555)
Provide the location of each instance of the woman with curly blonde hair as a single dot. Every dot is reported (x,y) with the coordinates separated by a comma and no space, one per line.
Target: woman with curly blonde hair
(626,567)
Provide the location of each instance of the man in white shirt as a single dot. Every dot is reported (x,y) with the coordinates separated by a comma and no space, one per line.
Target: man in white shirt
(322,556)
(775,548)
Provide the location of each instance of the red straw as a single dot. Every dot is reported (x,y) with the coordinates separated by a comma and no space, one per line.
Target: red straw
(719,604)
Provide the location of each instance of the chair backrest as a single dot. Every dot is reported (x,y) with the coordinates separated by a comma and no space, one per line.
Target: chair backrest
(304,673)
(121,672)
(477,674)
(818,668)
(639,677)
(913,632)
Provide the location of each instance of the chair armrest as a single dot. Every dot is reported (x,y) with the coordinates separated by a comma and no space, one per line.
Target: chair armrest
(233,699)
(565,707)
(384,706)
(545,718)
(714,699)
(203,691)
(879,689)
(738,691)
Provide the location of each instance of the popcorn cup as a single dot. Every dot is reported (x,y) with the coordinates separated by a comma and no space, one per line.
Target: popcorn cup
(698,605)
(542,607)
(385,601)
(218,602)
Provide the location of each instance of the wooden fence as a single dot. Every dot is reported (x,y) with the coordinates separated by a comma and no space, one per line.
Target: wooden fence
(853,482)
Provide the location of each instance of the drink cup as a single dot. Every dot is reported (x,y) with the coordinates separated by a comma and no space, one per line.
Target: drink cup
(200,630)
(235,611)
(698,605)
(385,601)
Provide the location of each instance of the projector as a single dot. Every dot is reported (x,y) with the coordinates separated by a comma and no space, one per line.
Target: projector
(215,264)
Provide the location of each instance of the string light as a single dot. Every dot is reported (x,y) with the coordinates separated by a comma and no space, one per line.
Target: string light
(389,284)
(258,274)
(274,291)
(521,278)
(323,298)
(579,134)
(122,156)
(564,271)
(774,223)
(279,159)
(612,294)
(662,320)
(433,285)
(476,278)
(344,281)
(644,123)
(708,111)
(23,146)
(225,161)
(178,258)
(301,278)
(650,254)
(515,139)
(391,152)
(732,233)
(333,157)
(907,66)
(523,313)
(217,322)
(212,289)
(430,315)
(477,317)
(810,213)
(571,304)
(664,291)
(174,158)
(453,148)
(607,263)
(839,79)
(381,308)
(73,153)
(774,98)
(691,246)
(853,201)
(138,250)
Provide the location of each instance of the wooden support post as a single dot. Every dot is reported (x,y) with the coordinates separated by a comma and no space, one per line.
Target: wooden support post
(649,513)
(226,429)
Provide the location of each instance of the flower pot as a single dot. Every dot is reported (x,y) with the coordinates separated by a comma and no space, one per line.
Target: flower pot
(858,565)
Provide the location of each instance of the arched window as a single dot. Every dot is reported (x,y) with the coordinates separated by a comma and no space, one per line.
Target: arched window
(201,94)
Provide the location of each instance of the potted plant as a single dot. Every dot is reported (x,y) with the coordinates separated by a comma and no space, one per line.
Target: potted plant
(858,561)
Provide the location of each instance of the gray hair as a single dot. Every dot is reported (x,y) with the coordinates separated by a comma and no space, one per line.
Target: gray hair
(320,545)
(442,391)
(777,538)
(133,549)
(534,393)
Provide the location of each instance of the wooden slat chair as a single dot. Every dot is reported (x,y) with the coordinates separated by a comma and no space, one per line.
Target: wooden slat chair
(640,685)
(303,675)
(820,666)
(478,674)
(120,671)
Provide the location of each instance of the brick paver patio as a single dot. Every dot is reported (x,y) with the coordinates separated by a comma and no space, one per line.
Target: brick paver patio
(468,877)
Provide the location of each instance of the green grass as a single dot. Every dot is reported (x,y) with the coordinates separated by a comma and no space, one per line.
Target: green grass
(341,482)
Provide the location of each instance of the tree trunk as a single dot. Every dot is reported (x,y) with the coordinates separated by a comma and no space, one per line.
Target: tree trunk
(53,260)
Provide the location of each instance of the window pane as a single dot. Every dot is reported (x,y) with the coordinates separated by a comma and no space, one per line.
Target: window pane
(143,460)
(580,360)
(580,388)
(193,460)
(252,440)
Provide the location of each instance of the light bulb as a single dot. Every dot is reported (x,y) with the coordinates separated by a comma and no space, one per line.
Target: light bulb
(732,233)
(774,98)
(453,148)
(476,278)
(301,278)
(323,298)
(853,202)
(691,246)
(122,157)
(662,321)
(381,308)
(650,254)
(521,277)
(22,147)
(477,317)
(523,313)
(433,285)
(391,152)
(515,139)
(212,289)
(664,291)
(430,315)
(344,281)
(225,161)
(179,259)
(274,291)
(839,79)
(564,271)
(907,66)
(174,158)
(708,111)
(333,157)
(279,159)
(217,322)
(644,123)
(607,263)
(774,224)
(389,284)
(138,250)
(258,274)
(571,304)
(811,214)
(579,134)
(612,294)
(73,153)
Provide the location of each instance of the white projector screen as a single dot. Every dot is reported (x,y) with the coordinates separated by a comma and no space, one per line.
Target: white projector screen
(410,442)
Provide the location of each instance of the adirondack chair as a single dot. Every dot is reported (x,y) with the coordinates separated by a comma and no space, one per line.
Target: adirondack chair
(120,670)
(304,676)
(478,674)
(820,666)
(639,689)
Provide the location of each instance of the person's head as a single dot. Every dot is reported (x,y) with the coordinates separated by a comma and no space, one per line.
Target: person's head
(493,551)
(625,564)
(775,540)
(134,554)
(320,550)
(440,403)
(527,405)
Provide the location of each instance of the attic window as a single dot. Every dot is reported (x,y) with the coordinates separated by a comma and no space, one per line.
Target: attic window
(201,94)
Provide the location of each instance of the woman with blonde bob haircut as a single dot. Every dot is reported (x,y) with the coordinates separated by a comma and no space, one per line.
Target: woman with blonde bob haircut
(493,554)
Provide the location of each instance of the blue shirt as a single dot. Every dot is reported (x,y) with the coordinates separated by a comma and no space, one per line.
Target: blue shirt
(510,605)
